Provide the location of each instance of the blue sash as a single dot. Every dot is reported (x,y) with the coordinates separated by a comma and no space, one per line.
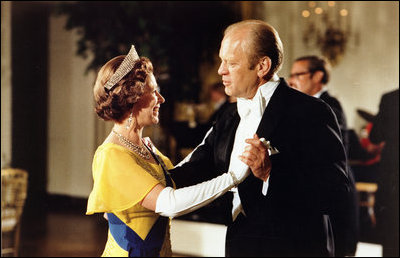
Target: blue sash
(128,240)
(149,145)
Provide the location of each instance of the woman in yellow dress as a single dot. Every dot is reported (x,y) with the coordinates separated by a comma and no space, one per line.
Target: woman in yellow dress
(131,181)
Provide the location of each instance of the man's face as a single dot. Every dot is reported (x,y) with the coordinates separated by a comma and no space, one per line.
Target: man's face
(301,79)
(238,79)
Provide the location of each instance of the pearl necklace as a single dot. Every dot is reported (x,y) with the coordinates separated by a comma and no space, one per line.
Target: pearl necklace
(141,150)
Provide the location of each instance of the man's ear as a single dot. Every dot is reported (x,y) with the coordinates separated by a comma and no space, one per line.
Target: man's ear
(264,66)
(317,76)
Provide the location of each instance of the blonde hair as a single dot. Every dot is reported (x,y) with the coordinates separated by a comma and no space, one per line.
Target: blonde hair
(263,40)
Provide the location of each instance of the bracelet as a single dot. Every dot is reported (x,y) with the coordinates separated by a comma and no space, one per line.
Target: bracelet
(235,180)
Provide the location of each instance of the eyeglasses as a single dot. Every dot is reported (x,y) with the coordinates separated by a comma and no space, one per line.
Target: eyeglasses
(298,74)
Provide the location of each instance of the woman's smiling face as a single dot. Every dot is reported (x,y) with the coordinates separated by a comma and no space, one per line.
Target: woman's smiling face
(148,106)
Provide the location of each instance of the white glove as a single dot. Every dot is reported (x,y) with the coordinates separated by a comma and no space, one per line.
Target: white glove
(239,169)
(173,203)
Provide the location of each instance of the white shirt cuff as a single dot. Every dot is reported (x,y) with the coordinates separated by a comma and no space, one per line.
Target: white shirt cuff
(265,187)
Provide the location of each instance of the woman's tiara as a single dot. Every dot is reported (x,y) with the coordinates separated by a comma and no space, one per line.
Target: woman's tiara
(125,67)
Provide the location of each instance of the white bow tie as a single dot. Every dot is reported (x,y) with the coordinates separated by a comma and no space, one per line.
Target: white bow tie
(256,106)
(250,106)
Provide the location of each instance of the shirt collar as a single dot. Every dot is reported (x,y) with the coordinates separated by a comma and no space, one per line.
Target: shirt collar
(259,102)
(319,93)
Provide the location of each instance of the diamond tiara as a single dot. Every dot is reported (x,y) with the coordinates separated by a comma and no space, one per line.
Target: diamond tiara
(125,67)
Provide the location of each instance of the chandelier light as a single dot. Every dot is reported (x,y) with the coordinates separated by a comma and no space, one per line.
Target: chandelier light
(327,27)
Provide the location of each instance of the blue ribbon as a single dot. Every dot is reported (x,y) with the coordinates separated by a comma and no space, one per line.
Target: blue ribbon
(128,240)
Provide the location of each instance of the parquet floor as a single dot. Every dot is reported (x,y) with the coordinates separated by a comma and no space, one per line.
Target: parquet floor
(60,233)
(63,234)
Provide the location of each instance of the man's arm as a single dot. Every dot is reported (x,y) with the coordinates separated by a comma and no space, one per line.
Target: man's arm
(256,157)
(198,166)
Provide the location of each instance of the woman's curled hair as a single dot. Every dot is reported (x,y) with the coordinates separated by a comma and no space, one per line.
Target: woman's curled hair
(116,104)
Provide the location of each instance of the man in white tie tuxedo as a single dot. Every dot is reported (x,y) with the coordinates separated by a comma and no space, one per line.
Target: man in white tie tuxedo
(285,212)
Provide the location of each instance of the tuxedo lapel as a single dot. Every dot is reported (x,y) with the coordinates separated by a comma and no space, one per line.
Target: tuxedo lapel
(231,136)
(226,137)
(273,112)
(250,188)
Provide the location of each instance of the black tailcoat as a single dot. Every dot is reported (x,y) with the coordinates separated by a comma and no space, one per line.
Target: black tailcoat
(308,182)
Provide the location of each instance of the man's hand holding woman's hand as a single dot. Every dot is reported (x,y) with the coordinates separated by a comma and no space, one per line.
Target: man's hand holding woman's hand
(256,157)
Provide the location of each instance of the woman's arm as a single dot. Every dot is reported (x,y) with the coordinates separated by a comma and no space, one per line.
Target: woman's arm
(150,200)
(171,202)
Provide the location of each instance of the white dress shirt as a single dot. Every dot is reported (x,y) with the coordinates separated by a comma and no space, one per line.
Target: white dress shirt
(250,112)
(319,93)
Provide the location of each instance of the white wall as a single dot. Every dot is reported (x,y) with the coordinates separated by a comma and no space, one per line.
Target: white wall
(372,68)
(195,238)
(367,70)
(5,84)
(71,125)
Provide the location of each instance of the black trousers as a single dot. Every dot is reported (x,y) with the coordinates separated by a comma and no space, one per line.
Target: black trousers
(245,238)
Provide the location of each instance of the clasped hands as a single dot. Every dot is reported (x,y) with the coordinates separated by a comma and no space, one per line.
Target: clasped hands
(255,155)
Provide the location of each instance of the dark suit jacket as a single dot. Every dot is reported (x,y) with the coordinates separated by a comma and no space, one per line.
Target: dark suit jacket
(386,128)
(338,110)
(218,112)
(347,228)
(308,181)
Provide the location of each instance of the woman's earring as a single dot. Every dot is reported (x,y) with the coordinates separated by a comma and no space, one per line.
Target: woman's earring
(128,124)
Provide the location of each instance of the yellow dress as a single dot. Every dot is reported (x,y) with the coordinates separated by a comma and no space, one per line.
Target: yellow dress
(121,180)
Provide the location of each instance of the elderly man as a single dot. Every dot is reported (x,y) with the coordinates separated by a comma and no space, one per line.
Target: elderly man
(284,212)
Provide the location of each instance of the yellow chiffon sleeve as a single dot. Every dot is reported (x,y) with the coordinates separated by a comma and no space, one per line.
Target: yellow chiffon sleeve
(119,182)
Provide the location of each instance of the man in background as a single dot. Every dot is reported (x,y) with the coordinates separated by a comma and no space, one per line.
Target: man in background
(310,75)
(386,128)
